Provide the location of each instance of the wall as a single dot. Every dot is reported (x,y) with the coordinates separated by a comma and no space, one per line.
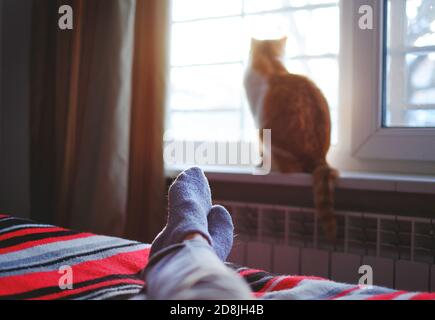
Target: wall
(14,107)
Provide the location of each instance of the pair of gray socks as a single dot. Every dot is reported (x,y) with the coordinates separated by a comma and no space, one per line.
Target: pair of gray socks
(190,211)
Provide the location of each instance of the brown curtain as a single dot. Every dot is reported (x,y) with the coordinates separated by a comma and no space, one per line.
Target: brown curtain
(96,116)
(51,66)
(146,183)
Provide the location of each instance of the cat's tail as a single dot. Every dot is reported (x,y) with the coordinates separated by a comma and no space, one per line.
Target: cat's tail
(324,178)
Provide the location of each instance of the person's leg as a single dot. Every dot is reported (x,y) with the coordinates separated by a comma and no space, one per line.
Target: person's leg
(186,257)
(195,273)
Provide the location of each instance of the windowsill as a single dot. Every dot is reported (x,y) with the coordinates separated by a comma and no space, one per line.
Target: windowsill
(347,180)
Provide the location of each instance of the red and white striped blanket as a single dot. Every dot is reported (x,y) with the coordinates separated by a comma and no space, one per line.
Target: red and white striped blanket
(32,254)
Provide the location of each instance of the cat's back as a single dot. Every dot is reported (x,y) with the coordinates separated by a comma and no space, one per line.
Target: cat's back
(297,111)
(297,95)
(296,85)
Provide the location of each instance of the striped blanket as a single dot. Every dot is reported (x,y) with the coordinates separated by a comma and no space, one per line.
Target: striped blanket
(32,257)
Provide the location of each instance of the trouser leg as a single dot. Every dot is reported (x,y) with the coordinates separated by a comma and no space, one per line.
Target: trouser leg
(194,272)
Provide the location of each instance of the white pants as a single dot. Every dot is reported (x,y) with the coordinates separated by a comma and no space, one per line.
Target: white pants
(192,271)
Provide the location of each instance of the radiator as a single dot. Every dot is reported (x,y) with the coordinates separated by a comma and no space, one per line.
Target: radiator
(288,240)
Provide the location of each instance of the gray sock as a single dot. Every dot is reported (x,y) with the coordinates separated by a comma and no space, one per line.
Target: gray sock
(189,204)
(221,228)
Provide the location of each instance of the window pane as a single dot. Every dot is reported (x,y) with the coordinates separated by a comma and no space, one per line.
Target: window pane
(183,9)
(209,41)
(262,5)
(420,79)
(206,87)
(304,36)
(420,118)
(421,24)
(410,64)
(208,58)
(204,126)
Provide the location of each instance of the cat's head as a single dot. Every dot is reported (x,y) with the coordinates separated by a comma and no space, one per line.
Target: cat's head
(272,49)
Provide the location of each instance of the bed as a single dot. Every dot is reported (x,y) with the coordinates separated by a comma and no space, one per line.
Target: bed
(32,257)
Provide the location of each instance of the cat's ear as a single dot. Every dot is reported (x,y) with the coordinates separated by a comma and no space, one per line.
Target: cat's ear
(254,42)
(283,41)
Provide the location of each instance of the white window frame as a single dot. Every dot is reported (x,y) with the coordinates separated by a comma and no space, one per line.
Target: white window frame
(370,140)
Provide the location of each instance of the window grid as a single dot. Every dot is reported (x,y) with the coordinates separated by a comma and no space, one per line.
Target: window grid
(243,106)
(243,13)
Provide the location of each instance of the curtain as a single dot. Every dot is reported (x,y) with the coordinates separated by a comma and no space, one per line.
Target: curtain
(88,165)
(146,184)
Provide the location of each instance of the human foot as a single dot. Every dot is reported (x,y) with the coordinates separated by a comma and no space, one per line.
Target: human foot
(189,204)
(221,229)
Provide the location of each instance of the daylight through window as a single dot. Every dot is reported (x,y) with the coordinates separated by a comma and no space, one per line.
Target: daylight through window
(210,42)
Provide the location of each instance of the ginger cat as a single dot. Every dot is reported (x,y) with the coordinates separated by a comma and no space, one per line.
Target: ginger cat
(296,111)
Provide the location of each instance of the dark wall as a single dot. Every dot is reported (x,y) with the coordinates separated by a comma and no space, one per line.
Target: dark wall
(14,106)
